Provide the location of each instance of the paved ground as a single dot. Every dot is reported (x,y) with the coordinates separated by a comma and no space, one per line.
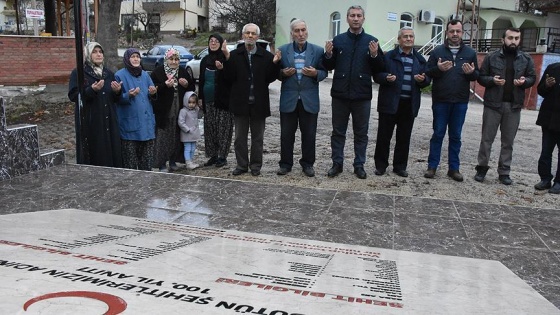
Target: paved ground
(56,131)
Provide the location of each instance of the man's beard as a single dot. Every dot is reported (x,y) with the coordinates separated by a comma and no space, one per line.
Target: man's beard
(511,48)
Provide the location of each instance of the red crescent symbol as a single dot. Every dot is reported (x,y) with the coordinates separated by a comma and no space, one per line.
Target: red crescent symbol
(115,304)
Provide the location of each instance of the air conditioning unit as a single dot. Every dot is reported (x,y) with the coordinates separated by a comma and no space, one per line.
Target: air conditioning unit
(427,16)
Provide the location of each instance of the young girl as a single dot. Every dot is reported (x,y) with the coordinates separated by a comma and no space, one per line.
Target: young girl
(188,123)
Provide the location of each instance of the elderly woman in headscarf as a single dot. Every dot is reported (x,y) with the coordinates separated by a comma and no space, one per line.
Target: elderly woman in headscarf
(135,114)
(99,133)
(214,92)
(172,82)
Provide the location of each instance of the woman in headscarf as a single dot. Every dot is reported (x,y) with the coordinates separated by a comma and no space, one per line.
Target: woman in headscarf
(214,92)
(135,114)
(99,133)
(172,82)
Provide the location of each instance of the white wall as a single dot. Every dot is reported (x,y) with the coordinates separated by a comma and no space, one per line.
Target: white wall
(378,16)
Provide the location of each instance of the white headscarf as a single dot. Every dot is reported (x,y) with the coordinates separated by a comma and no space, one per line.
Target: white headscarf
(98,69)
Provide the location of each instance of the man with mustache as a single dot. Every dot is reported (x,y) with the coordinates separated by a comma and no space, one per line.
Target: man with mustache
(505,73)
(452,66)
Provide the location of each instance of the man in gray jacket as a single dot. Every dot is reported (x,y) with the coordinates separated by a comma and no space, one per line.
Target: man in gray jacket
(505,73)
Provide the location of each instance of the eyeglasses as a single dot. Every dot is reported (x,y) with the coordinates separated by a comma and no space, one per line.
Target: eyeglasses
(214,41)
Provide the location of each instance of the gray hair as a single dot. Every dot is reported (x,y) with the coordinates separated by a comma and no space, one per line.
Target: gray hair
(251,24)
(296,21)
(405,28)
(356,7)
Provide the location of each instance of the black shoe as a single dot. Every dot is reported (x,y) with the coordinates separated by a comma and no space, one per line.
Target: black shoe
(555,188)
(335,170)
(543,185)
(282,171)
(504,179)
(479,177)
(360,172)
(480,173)
(379,172)
(238,171)
(255,172)
(211,161)
(454,174)
(309,171)
(401,173)
(221,162)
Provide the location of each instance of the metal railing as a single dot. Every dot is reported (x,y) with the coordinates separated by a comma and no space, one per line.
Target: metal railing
(431,44)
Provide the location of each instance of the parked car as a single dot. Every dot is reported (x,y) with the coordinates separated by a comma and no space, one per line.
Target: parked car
(154,57)
(193,66)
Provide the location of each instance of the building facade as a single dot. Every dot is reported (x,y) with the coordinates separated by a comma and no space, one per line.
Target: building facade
(167,16)
(383,19)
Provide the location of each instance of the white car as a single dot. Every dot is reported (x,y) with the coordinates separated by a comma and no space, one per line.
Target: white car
(193,66)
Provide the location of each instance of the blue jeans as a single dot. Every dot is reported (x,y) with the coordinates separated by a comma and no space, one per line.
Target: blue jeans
(550,139)
(341,110)
(447,116)
(190,148)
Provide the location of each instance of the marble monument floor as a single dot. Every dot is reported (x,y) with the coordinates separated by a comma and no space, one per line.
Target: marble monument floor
(74,237)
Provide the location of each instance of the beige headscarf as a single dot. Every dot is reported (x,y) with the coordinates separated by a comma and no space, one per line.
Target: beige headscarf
(98,69)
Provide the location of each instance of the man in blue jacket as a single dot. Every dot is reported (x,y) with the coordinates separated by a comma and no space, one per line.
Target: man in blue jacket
(398,101)
(452,66)
(302,70)
(355,57)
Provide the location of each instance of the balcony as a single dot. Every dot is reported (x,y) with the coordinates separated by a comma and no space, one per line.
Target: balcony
(7,12)
(162,6)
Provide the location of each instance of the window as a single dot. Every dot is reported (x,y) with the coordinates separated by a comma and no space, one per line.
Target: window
(406,20)
(127,21)
(335,24)
(154,23)
(200,3)
(437,30)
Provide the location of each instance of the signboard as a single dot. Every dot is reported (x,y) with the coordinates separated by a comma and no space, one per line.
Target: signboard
(391,16)
(79,262)
(34,14)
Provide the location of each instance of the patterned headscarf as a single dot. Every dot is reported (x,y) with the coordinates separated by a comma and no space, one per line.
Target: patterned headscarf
(135,71)
(216,54)
(97,69)
(171,72)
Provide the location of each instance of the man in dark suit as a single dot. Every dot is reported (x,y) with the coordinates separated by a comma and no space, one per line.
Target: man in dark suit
(398,102)
(250,69)
(302,70)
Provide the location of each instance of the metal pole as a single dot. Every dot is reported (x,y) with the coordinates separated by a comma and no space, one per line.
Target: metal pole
(132,27)
(80,71)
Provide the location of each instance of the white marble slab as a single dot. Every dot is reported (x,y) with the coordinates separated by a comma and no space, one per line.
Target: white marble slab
(78,262)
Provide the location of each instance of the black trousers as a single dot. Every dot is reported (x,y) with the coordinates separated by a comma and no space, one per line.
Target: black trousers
(404,121)
(288,127)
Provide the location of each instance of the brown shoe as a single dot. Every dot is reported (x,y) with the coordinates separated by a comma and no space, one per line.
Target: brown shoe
(455,175)
(430,173)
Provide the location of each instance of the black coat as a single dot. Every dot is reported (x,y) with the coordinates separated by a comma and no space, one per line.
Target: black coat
(222,88)
(549,113)
(239,74)
(162,104)
(100,136)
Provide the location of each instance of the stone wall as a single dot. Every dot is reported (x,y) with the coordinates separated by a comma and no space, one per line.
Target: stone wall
(36,60)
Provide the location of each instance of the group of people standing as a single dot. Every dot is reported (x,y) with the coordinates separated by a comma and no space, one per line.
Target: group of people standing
(233,93)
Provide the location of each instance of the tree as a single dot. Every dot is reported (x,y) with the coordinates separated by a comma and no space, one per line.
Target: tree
(107,31)
(540,5)
(241,12)
(153,16)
